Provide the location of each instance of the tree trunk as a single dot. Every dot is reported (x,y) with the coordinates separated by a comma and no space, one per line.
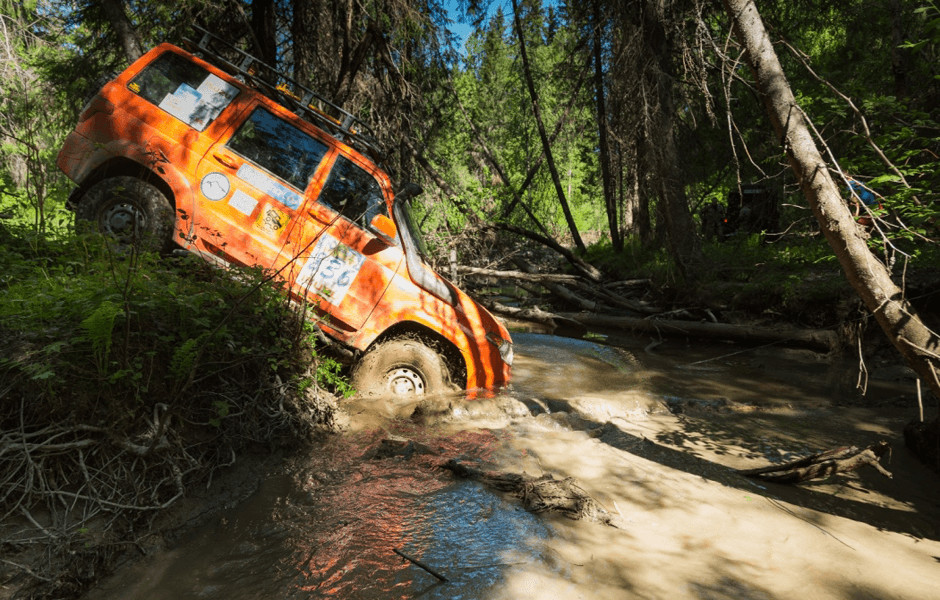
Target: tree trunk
(130,40)
(899,66)
(868,276)
(263,27)
(549,157)
(302,25)
(559,125)
(610,201)
(661,143)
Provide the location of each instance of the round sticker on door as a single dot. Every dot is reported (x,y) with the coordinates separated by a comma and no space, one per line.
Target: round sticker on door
(215,186)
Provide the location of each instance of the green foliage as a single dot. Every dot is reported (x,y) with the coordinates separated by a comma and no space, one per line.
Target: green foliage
(638,260)
(98,329)
(158,329)
(330,374)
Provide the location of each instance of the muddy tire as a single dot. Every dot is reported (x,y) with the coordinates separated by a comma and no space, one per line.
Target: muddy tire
(130,210)
(403,368)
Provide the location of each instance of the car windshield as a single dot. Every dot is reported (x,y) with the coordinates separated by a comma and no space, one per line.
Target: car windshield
(411,225)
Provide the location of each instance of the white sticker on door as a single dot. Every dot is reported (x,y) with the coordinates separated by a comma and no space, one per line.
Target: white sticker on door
(242,202)
(330,270)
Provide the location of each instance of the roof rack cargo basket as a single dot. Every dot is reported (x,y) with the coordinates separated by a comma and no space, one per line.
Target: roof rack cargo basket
(304,102)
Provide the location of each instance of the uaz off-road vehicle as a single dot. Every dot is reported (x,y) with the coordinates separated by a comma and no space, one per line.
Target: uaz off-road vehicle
(218,153)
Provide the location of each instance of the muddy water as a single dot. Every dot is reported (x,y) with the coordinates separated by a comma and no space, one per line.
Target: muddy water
(653,433)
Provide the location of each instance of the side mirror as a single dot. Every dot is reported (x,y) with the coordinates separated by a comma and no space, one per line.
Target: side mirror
(384,228)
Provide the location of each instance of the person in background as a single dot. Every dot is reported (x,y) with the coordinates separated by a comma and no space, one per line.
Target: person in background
(858,195)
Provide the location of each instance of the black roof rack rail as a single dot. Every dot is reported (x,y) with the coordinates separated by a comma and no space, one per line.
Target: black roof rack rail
(278,85)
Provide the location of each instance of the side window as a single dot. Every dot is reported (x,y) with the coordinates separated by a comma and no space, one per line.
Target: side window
(183,89)
(353,192)
(279,147)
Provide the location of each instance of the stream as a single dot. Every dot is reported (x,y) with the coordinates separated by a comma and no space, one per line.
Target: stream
(654,432)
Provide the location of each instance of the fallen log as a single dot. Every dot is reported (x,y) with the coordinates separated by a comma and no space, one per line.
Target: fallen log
(589,270)
(823,464)
(537,315)
(518,275)
(559,290)
(813,339)
(539,494)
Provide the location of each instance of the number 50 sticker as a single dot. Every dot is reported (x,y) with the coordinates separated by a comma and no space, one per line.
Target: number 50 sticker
(330,270)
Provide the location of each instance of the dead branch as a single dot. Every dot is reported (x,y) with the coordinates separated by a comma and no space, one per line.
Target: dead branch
(589,270)
(420,564)
(824,464)
(858,113)
(520,275)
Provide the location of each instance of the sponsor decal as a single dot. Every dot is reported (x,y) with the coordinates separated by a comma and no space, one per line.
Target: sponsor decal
(197,107)
(271,221)
(269,185)
(330,270)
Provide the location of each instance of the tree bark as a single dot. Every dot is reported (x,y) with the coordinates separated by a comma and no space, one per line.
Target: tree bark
(263,28)
(128,36)
(919,346)
(549,157)
(302,24)
(661,148)
(610,201)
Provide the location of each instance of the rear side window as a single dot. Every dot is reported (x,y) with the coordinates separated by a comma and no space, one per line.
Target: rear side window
(281,148)
(184,89)
(353,192)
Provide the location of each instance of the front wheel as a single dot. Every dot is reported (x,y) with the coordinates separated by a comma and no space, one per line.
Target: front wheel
(130,210)
(403,368)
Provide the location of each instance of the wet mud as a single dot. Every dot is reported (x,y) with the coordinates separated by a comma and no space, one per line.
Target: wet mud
(655,433)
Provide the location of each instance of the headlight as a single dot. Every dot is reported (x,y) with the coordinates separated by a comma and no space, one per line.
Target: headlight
(505,347)
(505,351)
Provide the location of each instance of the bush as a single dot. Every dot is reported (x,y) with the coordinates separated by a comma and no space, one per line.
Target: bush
(130,377)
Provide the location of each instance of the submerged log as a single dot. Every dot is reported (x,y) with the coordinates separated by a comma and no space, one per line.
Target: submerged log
(813,339)
(539,494)
(823,464)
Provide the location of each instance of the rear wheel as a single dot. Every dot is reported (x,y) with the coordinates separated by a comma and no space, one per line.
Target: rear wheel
(403,368)
(130,210)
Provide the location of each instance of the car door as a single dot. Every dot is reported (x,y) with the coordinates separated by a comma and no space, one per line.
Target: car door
(252,185)
(349,267)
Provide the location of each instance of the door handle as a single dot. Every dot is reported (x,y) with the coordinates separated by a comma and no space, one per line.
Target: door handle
(225,161)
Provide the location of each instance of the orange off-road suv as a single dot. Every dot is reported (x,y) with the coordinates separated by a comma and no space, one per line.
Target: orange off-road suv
(218,153)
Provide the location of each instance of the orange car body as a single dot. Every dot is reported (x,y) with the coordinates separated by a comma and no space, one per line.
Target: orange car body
(253,183)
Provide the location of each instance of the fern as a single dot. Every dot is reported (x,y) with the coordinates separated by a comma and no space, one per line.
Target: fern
(98,328)
(185,357)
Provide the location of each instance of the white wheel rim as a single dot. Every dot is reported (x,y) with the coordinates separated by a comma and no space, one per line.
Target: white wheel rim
(404,381)
(124,221)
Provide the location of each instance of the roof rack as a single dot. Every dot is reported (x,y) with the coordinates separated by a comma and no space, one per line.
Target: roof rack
(304,102)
